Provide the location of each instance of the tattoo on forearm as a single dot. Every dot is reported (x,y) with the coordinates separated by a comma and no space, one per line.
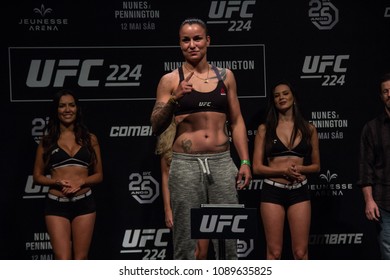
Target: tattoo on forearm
(161,116)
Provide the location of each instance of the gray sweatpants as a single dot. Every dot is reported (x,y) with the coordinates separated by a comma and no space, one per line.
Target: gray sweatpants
(196,179)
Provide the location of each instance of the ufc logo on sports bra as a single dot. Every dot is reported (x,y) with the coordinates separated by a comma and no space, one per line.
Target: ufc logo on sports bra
(204,104)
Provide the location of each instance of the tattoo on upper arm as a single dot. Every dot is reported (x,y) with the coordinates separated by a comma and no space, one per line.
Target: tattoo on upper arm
(222,71)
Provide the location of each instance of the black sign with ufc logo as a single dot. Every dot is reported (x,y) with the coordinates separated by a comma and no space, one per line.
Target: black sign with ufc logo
(223,221)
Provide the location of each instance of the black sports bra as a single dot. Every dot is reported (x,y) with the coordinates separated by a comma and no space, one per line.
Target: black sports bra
(213,101)
(59,158)
(278,149)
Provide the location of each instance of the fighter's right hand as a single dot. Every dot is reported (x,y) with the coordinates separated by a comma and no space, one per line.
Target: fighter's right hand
(183,88)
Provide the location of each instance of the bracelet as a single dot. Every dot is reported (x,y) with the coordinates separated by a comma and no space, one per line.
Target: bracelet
(246,161)
(173,101)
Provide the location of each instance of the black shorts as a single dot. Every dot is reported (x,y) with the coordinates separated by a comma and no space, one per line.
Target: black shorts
(284,197)
(70,209)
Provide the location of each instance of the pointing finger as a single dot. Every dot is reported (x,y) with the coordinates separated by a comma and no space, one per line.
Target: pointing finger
(189,76)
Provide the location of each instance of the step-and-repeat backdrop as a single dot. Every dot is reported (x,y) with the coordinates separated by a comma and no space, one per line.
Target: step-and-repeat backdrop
(113,54)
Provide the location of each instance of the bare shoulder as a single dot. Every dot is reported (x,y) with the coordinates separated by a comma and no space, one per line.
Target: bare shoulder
(260,133)
(167,84)
(312,128)
(170,77)
(94,139)
(225,73)
(261,129)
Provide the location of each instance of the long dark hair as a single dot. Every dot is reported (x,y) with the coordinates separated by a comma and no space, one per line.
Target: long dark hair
(272,117)
(52,132)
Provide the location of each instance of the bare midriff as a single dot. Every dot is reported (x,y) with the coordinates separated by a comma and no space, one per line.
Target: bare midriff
(71,173)
(201,133)
(283,163)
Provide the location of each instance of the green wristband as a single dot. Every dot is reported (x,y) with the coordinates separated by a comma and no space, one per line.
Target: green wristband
(245,161)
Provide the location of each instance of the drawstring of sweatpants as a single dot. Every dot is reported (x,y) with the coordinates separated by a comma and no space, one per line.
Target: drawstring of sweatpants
(206,169)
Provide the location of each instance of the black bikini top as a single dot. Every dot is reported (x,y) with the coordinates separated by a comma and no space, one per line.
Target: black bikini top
(59,158)
(278,149)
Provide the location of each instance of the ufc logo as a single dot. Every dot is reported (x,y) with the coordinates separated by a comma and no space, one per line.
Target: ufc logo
(225,9)
(217,223)
(318,64)
(47,69)
(387,12)
(32,188)
(139,238)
